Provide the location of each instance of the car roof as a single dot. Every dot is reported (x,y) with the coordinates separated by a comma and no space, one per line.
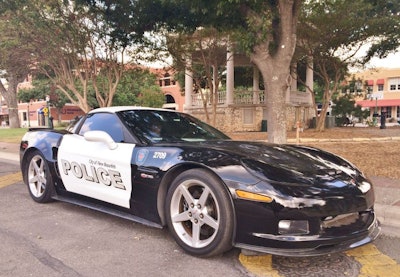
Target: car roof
(116,109)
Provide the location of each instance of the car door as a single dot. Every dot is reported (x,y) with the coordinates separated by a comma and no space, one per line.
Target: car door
(91,167)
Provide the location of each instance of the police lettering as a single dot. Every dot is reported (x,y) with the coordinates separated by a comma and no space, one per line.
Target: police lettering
(97,175)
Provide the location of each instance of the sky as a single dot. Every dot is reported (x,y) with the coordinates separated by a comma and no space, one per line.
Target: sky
(391,61)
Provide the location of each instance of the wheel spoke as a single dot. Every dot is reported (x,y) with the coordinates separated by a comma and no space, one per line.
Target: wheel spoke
(38,189)
(34,179)
(196,234)
(204,196)
(42,179)
(186,194)
(36,167)
(210,222)
(181,217)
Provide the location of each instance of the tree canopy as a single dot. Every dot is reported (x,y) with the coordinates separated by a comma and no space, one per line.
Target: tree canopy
(15,61)
(71,45)
(138,87)
(330,43)
(81,45)
(266,30)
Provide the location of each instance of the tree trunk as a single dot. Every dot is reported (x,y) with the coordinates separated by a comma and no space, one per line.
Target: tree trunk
(273,55)
(10,95)
(215,94)
(320,124)
(275,97)
(204,101)
(59,118)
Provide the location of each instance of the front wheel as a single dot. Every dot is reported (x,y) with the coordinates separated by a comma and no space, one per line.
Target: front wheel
(38,178)
(199,213)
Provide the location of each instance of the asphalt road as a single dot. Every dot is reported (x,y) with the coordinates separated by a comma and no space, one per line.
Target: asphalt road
(60,239)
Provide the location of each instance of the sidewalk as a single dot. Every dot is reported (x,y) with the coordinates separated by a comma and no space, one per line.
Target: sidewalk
(387,193)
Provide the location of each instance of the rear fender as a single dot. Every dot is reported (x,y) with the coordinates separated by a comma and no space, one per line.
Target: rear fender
(44,141)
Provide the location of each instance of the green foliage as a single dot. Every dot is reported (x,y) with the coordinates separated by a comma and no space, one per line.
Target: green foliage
(345,107)
(334,40)
(151,98)
(70,44)
(138,87)
(41,88)
(249,22)
(354,85)
(326,32)
(384,14)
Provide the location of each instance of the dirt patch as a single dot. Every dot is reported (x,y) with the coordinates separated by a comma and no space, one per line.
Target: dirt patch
(332,133)
(378,156)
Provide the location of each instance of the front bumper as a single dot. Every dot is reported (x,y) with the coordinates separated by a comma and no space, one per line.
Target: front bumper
(327,232)
(316,245)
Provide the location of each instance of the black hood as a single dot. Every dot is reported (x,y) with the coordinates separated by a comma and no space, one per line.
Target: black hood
(310,176)
(292,165)
(277,160)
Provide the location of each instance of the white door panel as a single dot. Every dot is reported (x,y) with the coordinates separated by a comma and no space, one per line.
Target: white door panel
(92,169)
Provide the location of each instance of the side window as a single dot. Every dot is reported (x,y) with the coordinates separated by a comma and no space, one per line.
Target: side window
(106,122)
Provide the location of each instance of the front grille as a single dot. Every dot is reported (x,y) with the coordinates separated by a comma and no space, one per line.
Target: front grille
(339,220)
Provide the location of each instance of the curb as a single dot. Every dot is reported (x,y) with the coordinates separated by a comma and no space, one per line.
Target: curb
(9,156)
(305,140)
(388,215)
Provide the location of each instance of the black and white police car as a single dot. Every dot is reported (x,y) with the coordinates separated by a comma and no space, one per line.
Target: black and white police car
(165,168)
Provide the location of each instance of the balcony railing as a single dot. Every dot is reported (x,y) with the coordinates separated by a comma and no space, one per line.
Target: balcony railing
(240,97)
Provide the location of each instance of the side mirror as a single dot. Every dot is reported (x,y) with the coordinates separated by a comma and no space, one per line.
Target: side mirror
(100,136)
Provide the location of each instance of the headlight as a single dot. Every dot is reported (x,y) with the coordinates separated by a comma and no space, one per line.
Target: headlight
(365,187)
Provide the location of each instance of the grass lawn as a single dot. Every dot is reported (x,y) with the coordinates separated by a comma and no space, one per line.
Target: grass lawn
(13,135)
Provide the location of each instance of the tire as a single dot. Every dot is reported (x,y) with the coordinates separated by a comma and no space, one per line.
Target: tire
(200,214)
(38,178)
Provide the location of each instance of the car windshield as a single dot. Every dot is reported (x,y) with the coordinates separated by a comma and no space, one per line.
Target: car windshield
(160,126)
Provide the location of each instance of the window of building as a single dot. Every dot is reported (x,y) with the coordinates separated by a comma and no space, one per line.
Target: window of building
(169,98)
(380,87)
(398,112)
(358,86)
(24,116)
(394,84)
(167,79)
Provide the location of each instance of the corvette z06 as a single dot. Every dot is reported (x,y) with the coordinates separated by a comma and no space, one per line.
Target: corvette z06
(168,169)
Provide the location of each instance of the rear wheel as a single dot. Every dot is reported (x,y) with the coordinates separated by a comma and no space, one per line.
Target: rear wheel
(199,213)
(38,178)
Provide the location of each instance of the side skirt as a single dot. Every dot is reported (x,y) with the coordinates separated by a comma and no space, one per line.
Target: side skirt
(104,209)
